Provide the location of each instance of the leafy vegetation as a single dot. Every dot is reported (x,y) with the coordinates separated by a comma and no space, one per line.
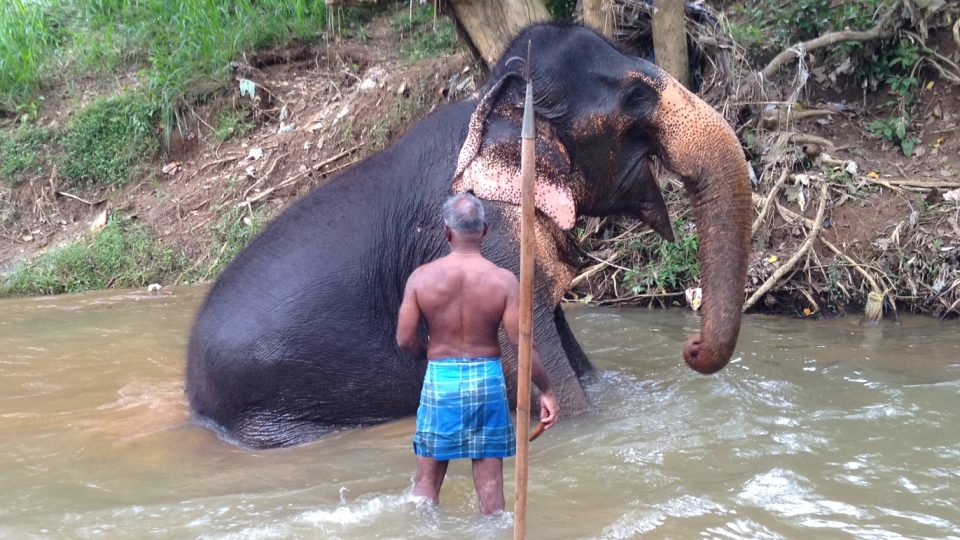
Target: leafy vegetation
(105,141)
(122,255)
(765,27)
(27,39)
(670,265)
(423,38)
(897,68)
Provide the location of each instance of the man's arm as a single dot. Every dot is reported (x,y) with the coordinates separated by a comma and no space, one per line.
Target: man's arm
(409,319)
(549,409)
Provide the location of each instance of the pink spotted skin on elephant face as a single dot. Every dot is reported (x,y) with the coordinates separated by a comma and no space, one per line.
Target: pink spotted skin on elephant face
(498,181)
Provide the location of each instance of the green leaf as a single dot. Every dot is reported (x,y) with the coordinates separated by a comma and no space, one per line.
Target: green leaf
(901,129)
(907,145)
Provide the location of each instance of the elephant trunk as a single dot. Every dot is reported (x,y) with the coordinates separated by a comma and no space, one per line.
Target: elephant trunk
(697,143)
(722,206)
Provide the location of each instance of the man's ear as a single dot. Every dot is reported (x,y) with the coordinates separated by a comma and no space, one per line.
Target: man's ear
(484,233)
(448,233)
(489,161)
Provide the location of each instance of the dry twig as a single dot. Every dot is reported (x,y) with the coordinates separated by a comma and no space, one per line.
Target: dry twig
(788,266)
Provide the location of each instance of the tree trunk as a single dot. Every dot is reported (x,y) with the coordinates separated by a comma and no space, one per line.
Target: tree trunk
(491,24)
(598,14)
(670,38)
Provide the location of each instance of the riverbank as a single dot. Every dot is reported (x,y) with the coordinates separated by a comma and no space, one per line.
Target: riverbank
(74,216)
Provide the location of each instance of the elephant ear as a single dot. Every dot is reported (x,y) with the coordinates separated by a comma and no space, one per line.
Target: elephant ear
(489,160)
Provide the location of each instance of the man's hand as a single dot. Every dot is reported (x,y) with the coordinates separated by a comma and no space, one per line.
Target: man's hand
(549,410)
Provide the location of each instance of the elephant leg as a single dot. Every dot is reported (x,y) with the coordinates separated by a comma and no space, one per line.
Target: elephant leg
(578,359)
(564,380)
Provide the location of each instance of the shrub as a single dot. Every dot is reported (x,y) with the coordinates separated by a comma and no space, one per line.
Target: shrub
(671,265)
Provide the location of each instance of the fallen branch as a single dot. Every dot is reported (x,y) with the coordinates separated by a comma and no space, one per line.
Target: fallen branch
(952,307)
(296,178)
(883,183)
(866,275)
(626,299)
(263,177)
(765,204)
(788,266)
(806,138)
(214,163)
(74,197)
(608,262)
(594,269)
(924,184)
(784,117)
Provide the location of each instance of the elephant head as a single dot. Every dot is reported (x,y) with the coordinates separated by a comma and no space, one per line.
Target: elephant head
(602,115)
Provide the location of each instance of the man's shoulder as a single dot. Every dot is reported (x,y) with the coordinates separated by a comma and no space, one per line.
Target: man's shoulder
(506,278)
(431,267)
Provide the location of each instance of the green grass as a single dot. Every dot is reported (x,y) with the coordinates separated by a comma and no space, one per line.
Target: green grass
(20,151)
(174,44)
(231,123)
(28,39)
(126,255)
(122,255)
(106,141)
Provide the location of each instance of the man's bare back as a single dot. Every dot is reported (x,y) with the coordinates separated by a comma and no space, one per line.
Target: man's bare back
(463,298)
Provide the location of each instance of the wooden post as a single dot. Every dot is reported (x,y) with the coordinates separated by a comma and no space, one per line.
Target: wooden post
(598,14)
(525,352)
(670,38)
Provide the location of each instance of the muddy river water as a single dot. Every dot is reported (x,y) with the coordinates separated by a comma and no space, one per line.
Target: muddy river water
(817,429)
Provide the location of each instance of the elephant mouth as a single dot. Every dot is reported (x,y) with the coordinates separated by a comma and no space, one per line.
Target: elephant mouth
(639,193)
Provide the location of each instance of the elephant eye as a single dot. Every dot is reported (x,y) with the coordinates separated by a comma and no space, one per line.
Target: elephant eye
(639,100)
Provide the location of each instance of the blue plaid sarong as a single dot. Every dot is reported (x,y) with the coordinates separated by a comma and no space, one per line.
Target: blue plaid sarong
(464,411)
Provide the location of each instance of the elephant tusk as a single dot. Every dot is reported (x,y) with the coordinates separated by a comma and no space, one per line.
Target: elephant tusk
(537,432)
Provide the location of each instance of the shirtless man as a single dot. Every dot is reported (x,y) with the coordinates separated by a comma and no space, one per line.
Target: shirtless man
(464,411)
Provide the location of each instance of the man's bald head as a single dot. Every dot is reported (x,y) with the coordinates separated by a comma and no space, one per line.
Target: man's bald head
(463,214)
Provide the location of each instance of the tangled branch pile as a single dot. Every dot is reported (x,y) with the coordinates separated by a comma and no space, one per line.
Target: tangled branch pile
(803,261)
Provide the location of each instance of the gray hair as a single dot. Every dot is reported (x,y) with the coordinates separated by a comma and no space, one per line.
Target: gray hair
(463,213)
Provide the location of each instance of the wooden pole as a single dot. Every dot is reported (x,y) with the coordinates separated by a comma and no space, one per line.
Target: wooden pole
(525,352)
(670,38)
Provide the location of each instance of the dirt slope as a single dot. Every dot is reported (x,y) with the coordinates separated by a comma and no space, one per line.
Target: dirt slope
(319,108)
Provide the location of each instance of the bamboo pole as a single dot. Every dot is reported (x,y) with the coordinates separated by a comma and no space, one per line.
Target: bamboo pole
(525,352)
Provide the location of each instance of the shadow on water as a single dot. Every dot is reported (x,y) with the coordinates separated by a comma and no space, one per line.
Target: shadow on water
(816,429)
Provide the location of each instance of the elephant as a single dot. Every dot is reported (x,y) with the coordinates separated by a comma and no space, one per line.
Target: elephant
(295,339)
